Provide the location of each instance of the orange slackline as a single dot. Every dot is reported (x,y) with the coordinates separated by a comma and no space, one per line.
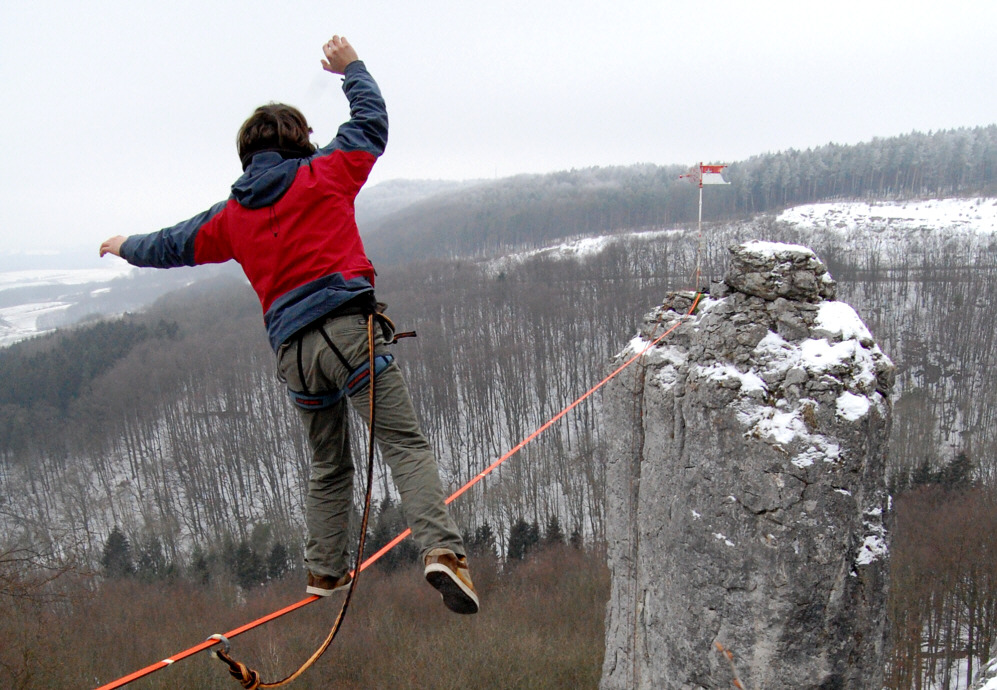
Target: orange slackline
(212,641)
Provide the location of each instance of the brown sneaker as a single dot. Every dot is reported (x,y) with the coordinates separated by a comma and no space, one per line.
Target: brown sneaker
(324,586)
(447,572)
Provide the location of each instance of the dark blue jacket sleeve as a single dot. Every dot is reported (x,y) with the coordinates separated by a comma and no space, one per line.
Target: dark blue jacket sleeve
(367,128)
(170,247)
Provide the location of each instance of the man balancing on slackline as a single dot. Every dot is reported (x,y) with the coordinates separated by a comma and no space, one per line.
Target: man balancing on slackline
(290,223)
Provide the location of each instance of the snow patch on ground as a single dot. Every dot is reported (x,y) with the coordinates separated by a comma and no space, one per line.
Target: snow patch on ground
(975,215)
(873,548)
(21,321)
(583,248)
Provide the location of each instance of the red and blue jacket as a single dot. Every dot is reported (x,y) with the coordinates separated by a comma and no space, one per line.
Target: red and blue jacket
(289,222)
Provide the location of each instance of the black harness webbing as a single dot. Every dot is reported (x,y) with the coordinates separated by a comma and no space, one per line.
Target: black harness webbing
(357,381)
(359,376)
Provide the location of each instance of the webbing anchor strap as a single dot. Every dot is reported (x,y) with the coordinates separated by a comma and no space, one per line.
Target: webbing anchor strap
(357,381)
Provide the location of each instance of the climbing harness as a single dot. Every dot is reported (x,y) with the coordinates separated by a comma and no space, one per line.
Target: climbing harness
(359,377)
(358,380)
(236,668)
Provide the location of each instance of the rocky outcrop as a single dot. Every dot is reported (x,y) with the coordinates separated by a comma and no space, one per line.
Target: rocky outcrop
(745,487)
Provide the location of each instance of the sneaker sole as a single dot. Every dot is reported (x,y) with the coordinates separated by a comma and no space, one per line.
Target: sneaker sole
(457,596)
(318,591)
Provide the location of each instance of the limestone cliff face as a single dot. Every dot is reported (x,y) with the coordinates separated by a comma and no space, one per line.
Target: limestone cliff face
(746,490)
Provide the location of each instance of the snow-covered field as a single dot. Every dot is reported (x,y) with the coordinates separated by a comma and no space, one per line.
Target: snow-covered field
(47,293)
(976,215)
(69,276)
(583,248)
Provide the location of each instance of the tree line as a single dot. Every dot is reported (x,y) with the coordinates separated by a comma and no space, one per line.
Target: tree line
(535,210)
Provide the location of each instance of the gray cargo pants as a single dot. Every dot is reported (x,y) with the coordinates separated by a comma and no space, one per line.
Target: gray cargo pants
(402,444)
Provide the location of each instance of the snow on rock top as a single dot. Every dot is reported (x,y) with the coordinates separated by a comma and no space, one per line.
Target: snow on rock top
(777,349)
(771,270)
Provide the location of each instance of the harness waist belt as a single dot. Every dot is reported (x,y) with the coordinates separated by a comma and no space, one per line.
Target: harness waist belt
(357,381)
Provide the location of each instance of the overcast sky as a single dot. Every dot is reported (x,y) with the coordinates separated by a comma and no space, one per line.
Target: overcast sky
(119,116)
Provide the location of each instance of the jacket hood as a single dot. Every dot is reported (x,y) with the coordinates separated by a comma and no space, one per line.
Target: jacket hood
(266,179)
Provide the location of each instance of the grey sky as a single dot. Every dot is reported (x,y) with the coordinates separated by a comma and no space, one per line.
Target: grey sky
(120,117)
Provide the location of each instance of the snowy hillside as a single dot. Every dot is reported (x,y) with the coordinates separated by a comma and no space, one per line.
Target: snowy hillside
(31,302)
(972,215)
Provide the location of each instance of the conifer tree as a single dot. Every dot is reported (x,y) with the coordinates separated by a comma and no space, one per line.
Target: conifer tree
(554,535)
(117,558)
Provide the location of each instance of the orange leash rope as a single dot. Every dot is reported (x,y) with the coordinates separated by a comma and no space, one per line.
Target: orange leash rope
(373,558)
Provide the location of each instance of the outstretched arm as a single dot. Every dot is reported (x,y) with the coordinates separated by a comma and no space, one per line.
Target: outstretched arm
(338,54)
(199,240)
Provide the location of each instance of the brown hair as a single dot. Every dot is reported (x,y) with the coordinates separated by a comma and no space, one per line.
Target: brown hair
(274,126)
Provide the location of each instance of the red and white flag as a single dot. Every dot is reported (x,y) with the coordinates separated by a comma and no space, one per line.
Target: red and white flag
(705,174)
(711,174)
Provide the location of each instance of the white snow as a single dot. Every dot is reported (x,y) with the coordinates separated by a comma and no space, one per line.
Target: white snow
(583,248)
(770,249)
(780,427)
(820,448)
(992,683)
(872,549)
(852,407)
(874,545)
(840,319)
(974,215)
(818,355)
(720,537)
(21,321)
(750,381)
(40,278)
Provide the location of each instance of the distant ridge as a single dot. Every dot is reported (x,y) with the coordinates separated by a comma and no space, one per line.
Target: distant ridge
(530,211)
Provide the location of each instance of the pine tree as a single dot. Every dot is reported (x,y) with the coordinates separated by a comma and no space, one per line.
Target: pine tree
(389,523)
(199,568)
(151,562)
(117,558)
(481,542)
(277,562)
(523,537)
(554,536)
(247,566)
(958,474)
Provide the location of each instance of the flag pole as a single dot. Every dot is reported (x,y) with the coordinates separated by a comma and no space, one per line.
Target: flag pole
(700,173)
(699,230)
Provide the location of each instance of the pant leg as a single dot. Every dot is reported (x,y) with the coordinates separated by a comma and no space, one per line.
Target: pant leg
(399,437)
(329,501)
(413,465)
